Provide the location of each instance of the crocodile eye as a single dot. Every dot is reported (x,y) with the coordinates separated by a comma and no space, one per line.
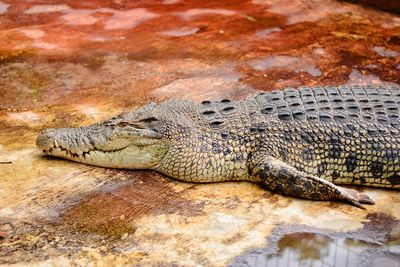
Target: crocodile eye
(123,123)
(148,120)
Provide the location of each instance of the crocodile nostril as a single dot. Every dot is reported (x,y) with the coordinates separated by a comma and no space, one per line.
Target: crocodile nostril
(45,140)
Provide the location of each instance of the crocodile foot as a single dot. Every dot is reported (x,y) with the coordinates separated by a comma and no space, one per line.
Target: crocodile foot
(358,196)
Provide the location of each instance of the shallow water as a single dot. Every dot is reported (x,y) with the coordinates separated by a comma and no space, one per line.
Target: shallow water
(305,249)
(71,63)
(299,245)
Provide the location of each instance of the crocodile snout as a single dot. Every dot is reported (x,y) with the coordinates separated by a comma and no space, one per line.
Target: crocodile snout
(45,141)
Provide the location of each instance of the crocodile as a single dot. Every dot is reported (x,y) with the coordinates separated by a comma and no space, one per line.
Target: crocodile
(303,142)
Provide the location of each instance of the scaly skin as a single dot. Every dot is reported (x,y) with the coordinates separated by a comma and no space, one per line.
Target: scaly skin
(299,142)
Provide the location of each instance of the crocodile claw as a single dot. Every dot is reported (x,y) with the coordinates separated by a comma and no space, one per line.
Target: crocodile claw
(360,197)
(356,198)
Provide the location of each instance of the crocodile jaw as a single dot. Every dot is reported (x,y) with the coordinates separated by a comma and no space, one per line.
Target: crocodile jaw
(103,148)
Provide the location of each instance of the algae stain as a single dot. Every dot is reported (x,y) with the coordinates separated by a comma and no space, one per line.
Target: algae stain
(111,211)
(26,81)
(35,81)
(89,219)
(95,63)
(13,56)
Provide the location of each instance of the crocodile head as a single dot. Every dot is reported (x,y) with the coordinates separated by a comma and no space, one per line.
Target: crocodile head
(133,140)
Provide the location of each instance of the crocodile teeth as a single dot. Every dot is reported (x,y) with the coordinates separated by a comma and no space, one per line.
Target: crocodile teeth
(55,143)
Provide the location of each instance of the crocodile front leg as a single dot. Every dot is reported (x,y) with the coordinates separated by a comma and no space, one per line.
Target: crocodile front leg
(282,178)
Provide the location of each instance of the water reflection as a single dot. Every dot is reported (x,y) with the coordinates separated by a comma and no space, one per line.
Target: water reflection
(33,33)
(311,249)
(385,52)
(181,32)
(317,249)
(267,32)
(357,78)
(170,2)
(191,13)
(124,19)
(3,7)
(295,64)
(79,17)
(128,19)
(47,8)
(377,243)
(298,11)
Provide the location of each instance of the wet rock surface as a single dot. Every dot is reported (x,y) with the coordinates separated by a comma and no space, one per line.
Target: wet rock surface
(70,63)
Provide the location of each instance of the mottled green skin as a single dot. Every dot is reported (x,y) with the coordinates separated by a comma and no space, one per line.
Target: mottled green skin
(344,136)
(296,141)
